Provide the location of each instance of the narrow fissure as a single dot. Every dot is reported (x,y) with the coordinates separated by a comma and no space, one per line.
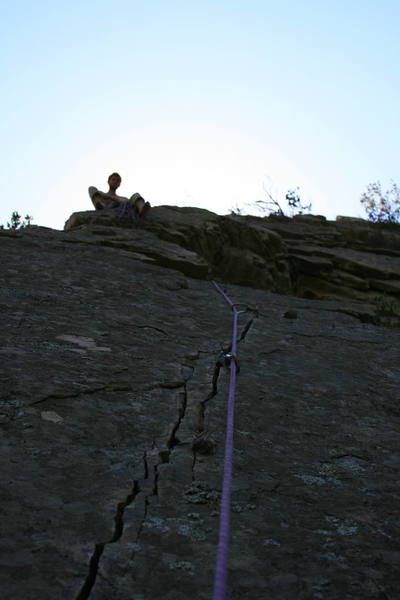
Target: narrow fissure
(194,465)
(145,467)
(173,440)
(146,509)
(219,364)
(155,486)
(118,518)
(61,396)
(245,331)
(99,548)
(92,574)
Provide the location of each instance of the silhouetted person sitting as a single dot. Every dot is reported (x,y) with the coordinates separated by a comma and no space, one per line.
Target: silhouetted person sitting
(135,206)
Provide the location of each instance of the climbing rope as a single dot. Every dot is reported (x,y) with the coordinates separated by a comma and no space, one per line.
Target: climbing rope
(221,568)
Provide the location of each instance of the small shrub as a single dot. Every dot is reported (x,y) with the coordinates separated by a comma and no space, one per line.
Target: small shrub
(381,206)
(292,205)
(16,223)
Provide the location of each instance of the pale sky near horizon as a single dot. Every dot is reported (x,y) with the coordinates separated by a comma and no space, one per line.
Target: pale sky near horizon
(197,104)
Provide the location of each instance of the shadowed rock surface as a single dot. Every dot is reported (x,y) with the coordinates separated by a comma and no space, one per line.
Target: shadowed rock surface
(111,460)
(306,256)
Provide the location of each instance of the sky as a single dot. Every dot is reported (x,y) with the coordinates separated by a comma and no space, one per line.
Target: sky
(201,104)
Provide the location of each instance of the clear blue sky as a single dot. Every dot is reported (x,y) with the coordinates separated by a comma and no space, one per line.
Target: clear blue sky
(197,103)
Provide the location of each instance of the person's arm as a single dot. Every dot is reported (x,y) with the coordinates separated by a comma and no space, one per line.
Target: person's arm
(96,197)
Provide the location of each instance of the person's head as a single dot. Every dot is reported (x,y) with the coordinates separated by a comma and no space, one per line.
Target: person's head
(114,180)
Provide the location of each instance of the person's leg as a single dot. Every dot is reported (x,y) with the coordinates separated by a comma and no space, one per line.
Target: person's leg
(139,204)
(146,207)
(134,199)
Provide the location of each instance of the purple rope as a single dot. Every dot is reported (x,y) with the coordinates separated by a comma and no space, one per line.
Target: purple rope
(221,569)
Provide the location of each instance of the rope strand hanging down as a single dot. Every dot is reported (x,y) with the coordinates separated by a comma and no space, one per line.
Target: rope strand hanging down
(220,579)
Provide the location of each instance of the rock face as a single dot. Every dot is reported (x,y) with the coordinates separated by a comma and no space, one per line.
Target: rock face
(306,256)
(111,455)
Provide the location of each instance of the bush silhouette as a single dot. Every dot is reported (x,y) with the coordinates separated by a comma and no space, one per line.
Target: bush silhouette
(382,206)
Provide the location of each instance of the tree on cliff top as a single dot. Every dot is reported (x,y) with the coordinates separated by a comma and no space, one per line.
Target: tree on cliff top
(382,207)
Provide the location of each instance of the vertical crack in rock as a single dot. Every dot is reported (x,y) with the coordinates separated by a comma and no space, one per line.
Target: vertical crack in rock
(99,548)
(201,444)
(194,464)
(146,508)
(150,465)
(153,492)
(151,460)
(92,574)
(245,330)
(218,365)
(145,467)
(172,439)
